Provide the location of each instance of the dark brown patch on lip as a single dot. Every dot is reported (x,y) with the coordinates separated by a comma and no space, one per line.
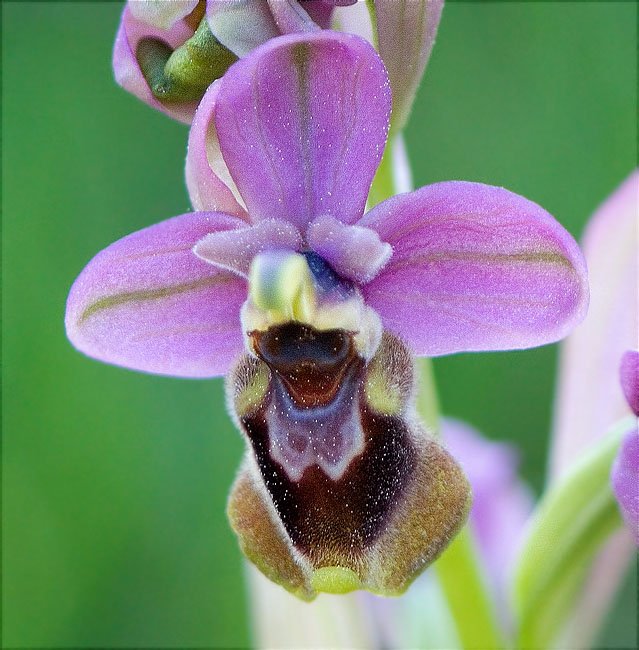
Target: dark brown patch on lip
(334,522)
(312,364)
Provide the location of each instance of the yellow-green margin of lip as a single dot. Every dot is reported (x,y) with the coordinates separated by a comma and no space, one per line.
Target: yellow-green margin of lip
(381,394)
(335,580)
(284,291)
(249,398)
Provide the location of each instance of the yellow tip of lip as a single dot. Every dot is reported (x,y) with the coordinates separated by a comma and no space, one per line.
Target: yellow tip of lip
(335,580)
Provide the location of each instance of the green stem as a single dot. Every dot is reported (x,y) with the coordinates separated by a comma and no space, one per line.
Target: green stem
(383,186)
(427,400)
(458,568)
(571,522)
(468,600)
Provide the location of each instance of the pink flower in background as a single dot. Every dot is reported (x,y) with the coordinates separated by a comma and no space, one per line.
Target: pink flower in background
(625,472)
(315,310)
(502,502)
(589,397)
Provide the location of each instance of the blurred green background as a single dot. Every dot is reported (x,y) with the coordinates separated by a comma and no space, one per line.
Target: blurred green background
(115,482)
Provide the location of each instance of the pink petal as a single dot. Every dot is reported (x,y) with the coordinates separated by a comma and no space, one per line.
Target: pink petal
(127,70)
(630,379)
(234,250)
(148,303)
(589,396)
(302,123)
(406,31)
(475,267)
(354,252)
(290,17)
(625,480)
(208,181)
(160,13)
(320,12)
(241,25)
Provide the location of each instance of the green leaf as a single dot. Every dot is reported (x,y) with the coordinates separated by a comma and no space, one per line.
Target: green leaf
(570,524)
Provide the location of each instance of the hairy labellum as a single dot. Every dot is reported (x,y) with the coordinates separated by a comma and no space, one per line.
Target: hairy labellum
(341,488)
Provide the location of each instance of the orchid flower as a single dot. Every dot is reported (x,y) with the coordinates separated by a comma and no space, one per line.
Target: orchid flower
(625,471)
(167,52)
(314,311)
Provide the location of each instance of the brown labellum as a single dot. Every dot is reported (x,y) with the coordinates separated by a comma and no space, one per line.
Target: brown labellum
(341,488)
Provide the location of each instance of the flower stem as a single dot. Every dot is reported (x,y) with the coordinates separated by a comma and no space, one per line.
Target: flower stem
(383,186)
(427,401)
(468,600)
(458,568)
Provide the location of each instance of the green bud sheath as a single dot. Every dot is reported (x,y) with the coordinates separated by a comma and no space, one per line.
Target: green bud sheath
(183,74)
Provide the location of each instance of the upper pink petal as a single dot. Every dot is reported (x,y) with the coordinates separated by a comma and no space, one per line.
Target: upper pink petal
(475,267)
(127,70)
(406,31)
(320,11)
(302,124)
(148,303)
(208,181)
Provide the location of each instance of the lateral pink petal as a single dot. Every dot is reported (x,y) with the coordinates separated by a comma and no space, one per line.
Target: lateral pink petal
(127,70)
(354,252)
(406,31)
(475,267)
(208,181)
(148,303)
(302,124)
(234,250)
